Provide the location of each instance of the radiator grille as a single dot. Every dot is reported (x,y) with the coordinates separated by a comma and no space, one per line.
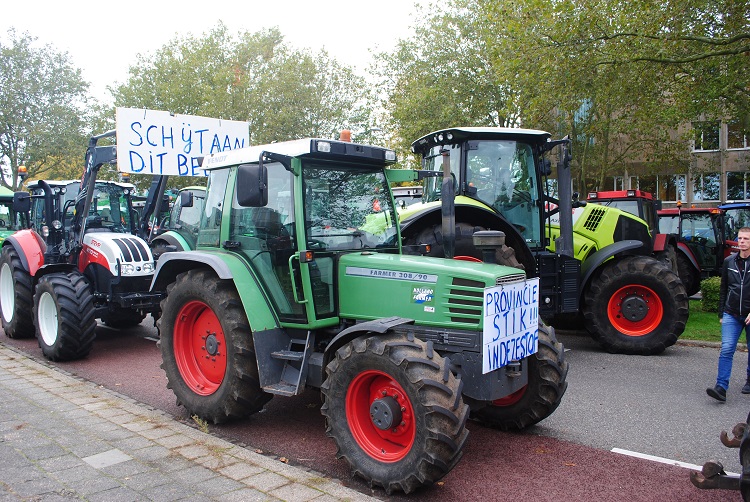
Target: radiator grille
(594,219)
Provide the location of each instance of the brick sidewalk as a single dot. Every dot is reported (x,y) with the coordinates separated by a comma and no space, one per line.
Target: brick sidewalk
(62,437)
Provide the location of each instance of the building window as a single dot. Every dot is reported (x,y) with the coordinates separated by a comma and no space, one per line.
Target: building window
(706,135)
(737,186)
(646,184)
(618,183)
(672,188)
(737,135)
(706,186)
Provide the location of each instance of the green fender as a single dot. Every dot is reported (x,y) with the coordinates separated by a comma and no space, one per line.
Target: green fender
(226,266)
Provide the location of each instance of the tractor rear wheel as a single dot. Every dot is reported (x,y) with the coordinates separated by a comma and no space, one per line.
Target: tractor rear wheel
(538,399)
(464,245)
(16,296)
(635,306)
(689,275)
(207,348)
(64,316)
(395,411)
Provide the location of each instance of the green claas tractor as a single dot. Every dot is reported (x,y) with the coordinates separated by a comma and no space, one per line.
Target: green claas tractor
(298,281)
(597,261)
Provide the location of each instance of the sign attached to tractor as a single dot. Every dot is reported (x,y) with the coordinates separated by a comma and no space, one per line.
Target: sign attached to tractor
(159,142)
(511,323)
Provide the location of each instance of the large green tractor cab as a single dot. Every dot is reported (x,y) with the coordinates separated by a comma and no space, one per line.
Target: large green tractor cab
(597,260)
(298,280)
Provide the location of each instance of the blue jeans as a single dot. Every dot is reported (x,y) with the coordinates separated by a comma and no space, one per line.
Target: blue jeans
(731,329)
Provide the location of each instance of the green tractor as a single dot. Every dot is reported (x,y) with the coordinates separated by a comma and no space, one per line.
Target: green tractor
(597,261)
(298,280)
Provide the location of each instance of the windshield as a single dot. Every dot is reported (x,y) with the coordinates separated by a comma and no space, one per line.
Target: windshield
(734,220)
(347,207)
(500,173)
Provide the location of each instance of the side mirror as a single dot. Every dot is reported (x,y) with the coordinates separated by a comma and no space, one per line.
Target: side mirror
(252,185)
(21,202)
(186,198)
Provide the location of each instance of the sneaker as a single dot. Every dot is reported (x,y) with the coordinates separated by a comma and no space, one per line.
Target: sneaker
(746,388)
(718,393)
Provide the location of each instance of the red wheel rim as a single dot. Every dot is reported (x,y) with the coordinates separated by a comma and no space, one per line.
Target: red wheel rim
(200,348)
(511,399)
(639,301)
(389,445)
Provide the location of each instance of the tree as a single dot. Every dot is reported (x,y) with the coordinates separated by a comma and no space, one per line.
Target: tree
(42,109)
(284,93)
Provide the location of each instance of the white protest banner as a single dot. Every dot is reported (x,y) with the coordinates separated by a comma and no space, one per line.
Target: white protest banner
(511,323)
(159,142)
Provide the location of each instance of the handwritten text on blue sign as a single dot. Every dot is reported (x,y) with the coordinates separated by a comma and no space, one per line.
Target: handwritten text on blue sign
(511,323)
(158,142)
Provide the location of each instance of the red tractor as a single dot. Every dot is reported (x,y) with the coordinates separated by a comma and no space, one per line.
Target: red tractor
(707,235)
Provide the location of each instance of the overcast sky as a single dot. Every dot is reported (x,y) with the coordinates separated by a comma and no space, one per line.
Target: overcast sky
(104,38)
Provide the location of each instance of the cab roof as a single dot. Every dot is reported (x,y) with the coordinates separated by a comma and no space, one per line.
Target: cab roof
(307,147)
(459,134)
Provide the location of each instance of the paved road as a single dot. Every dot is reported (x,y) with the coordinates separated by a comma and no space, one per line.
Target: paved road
(652,405)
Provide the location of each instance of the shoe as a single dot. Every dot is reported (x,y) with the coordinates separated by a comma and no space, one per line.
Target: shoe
(746,388)
(718,393)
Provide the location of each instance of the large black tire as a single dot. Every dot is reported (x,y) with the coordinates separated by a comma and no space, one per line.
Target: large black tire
(207,348)
(635,305)
(16,296)
(548,371)
(123,318)
(689,275)
(416,390)
(64,316)
(464,245)
(668,258)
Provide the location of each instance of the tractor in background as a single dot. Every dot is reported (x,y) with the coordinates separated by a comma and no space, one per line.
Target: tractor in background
(598,260)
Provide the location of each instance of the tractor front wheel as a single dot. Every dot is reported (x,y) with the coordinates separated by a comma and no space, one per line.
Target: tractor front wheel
(207,348)
(64,316)
(636,306)
(395,411)
(16,296)
(540,397)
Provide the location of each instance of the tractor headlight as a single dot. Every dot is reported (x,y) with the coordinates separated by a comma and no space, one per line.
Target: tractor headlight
(56,224)
(127,269)
(45,231)
(148,267)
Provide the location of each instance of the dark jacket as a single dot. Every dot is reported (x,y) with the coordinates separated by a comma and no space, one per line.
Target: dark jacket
(734,294)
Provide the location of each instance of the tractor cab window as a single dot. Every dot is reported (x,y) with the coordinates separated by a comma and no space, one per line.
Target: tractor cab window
(186,220)
(210,223)
(347,207)
(700,236)
(110,209)
(434,162)
(265,236)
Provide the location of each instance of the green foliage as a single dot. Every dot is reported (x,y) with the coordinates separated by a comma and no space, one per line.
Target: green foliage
(702,326)
(42,110)
(710,294)
(284,93)
(615,76)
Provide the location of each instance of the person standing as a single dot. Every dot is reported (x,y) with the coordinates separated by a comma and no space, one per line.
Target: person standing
(734,313)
